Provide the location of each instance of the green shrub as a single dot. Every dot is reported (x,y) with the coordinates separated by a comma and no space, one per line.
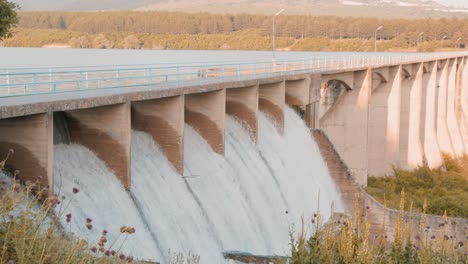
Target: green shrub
(444,189)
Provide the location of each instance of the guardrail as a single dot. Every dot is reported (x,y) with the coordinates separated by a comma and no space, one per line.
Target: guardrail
(34,81)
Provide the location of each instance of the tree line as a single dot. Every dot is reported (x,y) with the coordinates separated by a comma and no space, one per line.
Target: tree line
(297,27)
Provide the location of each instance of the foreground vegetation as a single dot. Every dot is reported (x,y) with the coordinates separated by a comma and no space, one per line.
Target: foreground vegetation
(30,230)
(350,240)
(445,189)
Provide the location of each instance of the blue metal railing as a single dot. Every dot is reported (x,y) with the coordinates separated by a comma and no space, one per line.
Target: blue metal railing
(34,81)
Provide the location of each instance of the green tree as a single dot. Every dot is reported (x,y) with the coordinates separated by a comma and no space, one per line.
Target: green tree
(8,18)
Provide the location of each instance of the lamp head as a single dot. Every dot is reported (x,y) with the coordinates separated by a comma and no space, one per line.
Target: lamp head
(279,12)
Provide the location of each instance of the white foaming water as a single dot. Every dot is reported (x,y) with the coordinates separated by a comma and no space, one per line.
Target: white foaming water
(244,201)
(296,162)
(102,198)
(173,215)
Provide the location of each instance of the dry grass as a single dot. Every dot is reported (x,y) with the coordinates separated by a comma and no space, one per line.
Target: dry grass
(30,231)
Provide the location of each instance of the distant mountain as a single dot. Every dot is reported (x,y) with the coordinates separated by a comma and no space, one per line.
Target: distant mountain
(373,8)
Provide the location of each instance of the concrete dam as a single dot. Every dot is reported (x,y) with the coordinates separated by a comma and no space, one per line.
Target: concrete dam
(215,157)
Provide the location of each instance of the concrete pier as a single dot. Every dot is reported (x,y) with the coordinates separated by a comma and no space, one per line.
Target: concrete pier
(106,130)
(205,112)
(272,97)
(242,103)
(31,140)
(163,119)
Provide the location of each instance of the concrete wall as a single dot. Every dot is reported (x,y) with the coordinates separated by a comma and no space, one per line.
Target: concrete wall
(272,100)
(31,139)
(106,130)
(242,103)
(163,119)
(205,112)
(346,125)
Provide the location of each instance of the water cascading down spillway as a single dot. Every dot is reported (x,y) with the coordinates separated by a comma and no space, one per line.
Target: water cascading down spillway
(245,201)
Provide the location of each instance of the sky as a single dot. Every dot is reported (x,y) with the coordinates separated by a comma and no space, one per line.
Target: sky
(457,3)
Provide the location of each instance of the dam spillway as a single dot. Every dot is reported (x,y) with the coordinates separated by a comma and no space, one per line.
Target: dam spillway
(219,204)
(373,112)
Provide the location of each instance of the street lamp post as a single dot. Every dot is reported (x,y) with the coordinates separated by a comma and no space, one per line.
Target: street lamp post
(274,38)
(375,38)
(417,41)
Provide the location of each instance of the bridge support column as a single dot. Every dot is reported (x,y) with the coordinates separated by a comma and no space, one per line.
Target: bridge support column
(242,103)
(384,123)
(31,139)
(443,135)
(311,116)
(432,153)
(163,119)
(411,151)
(107,131)
(205,112)
(452,122)
(271,101)
(346,124)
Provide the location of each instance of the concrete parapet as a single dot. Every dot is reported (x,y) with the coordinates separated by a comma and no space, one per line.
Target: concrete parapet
(243,104)
(346,124)
(105,130)
(163,119)
(272,100)
(384,123)
(297,92)
(205,112)
(31,139)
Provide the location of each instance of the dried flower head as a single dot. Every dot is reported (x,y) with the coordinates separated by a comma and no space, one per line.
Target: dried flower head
(94,249)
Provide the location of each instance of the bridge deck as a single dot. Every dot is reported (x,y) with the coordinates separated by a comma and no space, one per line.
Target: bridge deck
(29,91)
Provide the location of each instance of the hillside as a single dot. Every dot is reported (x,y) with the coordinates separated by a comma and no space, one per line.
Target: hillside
(368,8)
